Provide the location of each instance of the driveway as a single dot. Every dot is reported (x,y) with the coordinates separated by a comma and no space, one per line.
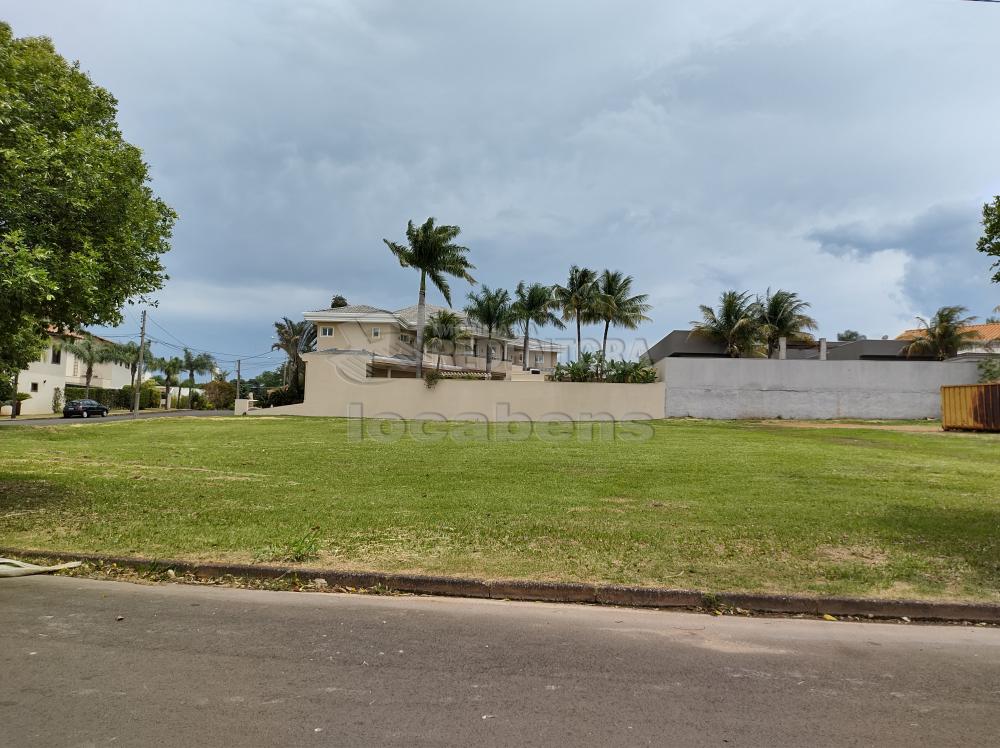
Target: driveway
(58,421)
(90,662)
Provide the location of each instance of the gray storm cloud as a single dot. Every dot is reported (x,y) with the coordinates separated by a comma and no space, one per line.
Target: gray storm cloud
(842,150)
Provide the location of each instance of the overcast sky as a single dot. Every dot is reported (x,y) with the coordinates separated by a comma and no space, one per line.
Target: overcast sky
(839,149)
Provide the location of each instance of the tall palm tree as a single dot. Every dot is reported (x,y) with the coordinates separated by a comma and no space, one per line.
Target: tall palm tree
(615,305)
(294,338)
(491,309)
(171,368)
(943,335)
(444,331)
(578,298)
(782,315)
(431,250)
(197,363)
(734,324)
(534,304)
(128,354)
(91,352)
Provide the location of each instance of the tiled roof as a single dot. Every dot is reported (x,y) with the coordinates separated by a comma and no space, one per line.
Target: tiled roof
(355,309)
(409,314)
(983,332)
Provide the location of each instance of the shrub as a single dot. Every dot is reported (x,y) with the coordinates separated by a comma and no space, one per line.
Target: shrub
(432,377)
(591,367)
(283,396)
(222,394)
(989,370)
(57,401)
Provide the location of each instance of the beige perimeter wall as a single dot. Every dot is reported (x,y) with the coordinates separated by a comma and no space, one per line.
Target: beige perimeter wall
(336,386)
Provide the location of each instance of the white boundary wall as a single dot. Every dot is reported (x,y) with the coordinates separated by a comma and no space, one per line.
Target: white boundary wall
(336,385)
(766,388)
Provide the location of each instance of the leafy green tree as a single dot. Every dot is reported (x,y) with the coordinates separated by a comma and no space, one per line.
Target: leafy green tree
(782,314)
(197,363)
(578,299)
(991,320)
(944,335)
(735,324)
(443,332)
(491,310)
(432,250)
(534,304)
(338,301)
(989,242)
(615,305)
(18,348)
(849,336)
(91,352)
(294,338)
(81,232)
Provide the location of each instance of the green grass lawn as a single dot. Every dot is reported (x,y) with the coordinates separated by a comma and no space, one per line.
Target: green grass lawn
(717,506)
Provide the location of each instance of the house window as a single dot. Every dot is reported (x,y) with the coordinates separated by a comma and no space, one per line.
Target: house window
(539,359)
(76,366)
(326,332)
(405,338)
(34,386)
(376,332)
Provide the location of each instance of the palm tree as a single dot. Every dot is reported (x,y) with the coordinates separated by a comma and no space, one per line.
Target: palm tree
(735,324)
(294,338)
(90,352)
(431,250)
(616,306)
(944,334)
(171,368)
(128,354)
(534,304)
(782,315)
(578,298)
(444,331)
(491,309)
(197,363)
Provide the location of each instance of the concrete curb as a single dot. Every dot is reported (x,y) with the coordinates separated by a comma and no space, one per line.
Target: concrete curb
(557,592)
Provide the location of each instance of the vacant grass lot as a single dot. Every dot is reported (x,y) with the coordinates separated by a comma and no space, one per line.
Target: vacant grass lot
(716,506)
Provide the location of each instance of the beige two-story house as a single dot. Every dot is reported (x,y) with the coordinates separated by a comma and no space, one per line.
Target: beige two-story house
(390,339)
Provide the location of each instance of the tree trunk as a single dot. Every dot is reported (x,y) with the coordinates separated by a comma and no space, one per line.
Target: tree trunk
(604,346)
(524,366)
(132,371)
(90,375)
(438,367)
(578,346)
(14,402)
(166,403)
(420,324)
(489,353)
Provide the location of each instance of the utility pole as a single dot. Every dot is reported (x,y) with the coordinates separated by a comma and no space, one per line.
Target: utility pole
(237,379)
(138,369)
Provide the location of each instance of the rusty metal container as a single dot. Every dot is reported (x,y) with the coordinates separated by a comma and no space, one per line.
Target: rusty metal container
(971,407)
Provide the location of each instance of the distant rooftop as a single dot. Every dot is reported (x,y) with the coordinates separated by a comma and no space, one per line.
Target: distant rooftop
(983,332)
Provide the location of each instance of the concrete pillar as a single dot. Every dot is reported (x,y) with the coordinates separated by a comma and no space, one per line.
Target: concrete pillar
(388,372)
(782,348)
(822,349)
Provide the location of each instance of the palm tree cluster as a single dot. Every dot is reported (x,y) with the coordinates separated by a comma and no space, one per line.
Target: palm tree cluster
(587,297)
(747,325)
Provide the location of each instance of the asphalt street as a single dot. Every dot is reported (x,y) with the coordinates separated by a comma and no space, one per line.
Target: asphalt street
(93,663)
(59,421)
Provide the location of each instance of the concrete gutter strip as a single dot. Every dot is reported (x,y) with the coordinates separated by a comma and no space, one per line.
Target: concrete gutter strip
(600,594)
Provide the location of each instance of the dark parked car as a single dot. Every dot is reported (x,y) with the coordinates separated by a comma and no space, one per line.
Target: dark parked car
(84,409)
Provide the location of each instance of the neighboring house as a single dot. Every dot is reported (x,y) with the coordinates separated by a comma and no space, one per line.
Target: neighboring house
(390,338)
(682,344)
(985,344)
(58,368)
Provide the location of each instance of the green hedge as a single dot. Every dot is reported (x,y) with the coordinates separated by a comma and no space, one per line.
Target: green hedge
(120,399)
